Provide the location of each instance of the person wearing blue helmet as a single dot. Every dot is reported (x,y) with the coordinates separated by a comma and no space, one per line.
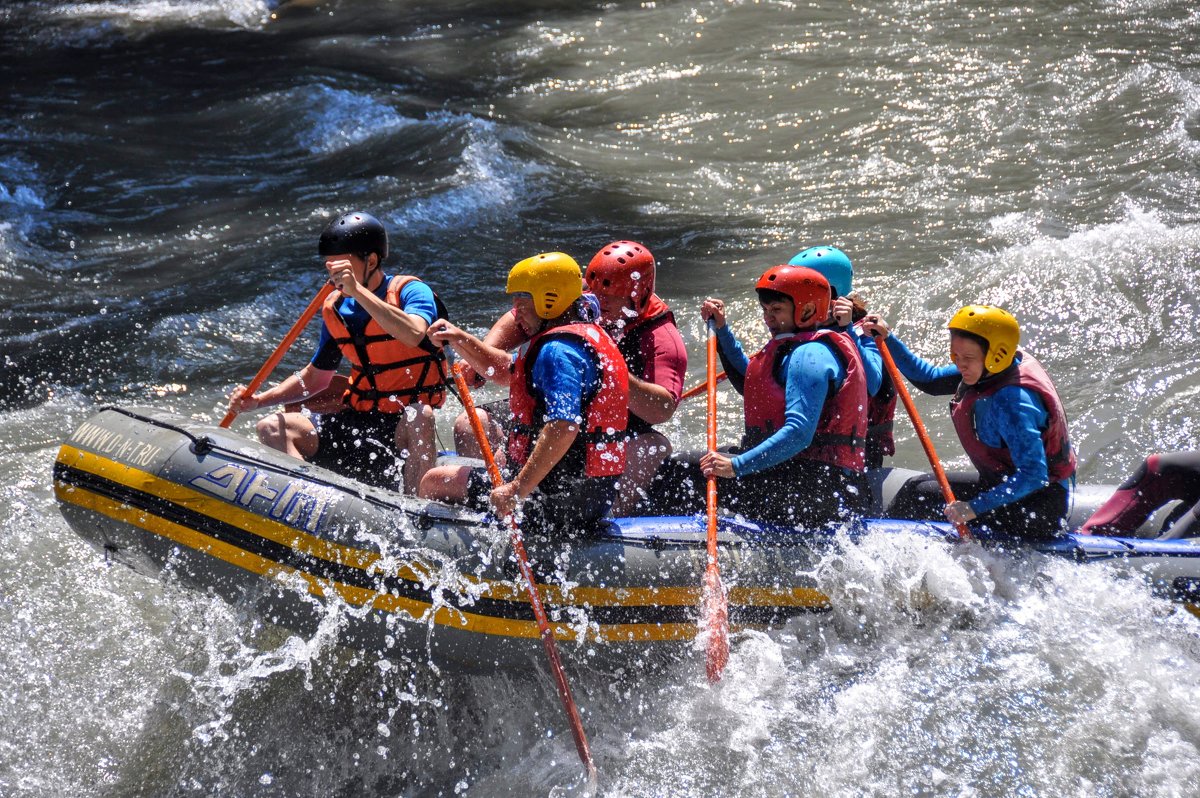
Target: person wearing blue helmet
(846,311)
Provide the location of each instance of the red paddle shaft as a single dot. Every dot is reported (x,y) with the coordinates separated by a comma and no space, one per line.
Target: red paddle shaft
(535,600)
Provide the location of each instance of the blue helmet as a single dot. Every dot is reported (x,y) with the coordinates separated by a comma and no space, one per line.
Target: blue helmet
(832,263)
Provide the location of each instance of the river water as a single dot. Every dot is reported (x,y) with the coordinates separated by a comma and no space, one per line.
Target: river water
(166,166)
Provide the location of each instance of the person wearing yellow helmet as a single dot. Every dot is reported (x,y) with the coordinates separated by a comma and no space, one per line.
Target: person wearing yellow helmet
(619,283)
(1009,419)
(569,398)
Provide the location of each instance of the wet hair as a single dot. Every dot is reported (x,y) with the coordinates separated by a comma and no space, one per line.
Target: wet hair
(970,336)
(767,296)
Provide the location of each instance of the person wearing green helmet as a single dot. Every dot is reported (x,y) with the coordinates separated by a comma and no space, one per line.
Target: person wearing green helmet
(378,323)
(569,398)
(1009,419)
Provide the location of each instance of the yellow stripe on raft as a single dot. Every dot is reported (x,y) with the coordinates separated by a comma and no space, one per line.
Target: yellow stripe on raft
(356,596)
(369,562)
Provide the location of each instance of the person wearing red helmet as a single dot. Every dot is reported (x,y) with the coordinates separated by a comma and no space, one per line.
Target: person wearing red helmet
(801,461)
(620,280)
(621,275)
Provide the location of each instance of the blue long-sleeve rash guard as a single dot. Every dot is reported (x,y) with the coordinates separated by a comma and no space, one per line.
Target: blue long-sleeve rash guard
(416,298)
(872,361)
(811,372)
(1013,418)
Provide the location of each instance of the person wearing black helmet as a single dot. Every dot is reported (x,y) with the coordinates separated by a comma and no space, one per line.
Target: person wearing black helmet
(397,377)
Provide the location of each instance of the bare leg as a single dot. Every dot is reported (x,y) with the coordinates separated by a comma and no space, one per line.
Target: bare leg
(446,484)
(643,455)
(415,443)
(465,442)
(291,433)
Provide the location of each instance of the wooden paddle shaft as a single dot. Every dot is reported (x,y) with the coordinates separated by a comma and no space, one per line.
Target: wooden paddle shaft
(919,426)
(313,307)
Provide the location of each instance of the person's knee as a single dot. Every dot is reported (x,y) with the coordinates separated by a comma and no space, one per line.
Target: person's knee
(444,483)
(272,430)
(655,446)
(462,427)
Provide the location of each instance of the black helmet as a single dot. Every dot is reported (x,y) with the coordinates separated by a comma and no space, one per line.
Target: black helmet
(354,233)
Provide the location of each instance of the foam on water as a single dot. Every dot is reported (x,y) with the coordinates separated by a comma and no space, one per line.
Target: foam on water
(339,119)
(488,183)
(140,17)
(22,211)
(946,669)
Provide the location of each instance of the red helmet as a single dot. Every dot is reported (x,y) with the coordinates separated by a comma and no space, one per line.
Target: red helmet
(801,285)
(623,268)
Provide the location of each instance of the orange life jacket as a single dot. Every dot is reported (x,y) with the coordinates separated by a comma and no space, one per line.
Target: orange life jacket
(387,375)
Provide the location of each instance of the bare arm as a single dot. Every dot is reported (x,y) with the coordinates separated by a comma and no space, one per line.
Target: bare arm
(505,334)
(487,360)
(297,387)
(407,328)
(552,443)
(650,402)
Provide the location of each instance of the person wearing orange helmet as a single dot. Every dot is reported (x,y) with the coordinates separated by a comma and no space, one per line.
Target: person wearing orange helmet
(569,400)
(1009,419)
(621,276)
(801,460)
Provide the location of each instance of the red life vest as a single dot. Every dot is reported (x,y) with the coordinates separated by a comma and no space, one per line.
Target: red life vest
(994,464)
(840,436)
(385,374)
(599,448)
(655,315)
(881,414)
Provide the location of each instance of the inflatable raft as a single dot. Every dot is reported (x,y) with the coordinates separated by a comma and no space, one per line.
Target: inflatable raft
(408,577)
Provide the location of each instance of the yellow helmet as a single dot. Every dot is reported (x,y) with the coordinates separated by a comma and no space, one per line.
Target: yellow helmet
(553,278)
(996,326)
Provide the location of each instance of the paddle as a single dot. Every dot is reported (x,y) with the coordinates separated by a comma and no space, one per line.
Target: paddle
(922,435)
(714,608)
(284,346)
(696,390)
(535,601)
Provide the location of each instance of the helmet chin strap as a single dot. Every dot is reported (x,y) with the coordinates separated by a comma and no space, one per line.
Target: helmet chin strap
(371,271)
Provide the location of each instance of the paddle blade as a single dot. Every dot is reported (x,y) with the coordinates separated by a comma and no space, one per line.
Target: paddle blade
(714,619)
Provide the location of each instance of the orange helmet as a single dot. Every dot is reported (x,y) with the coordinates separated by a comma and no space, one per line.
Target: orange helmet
(623,268)
(801,285)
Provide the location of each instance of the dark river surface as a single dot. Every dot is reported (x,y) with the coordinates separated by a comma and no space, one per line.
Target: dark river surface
(167,165)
